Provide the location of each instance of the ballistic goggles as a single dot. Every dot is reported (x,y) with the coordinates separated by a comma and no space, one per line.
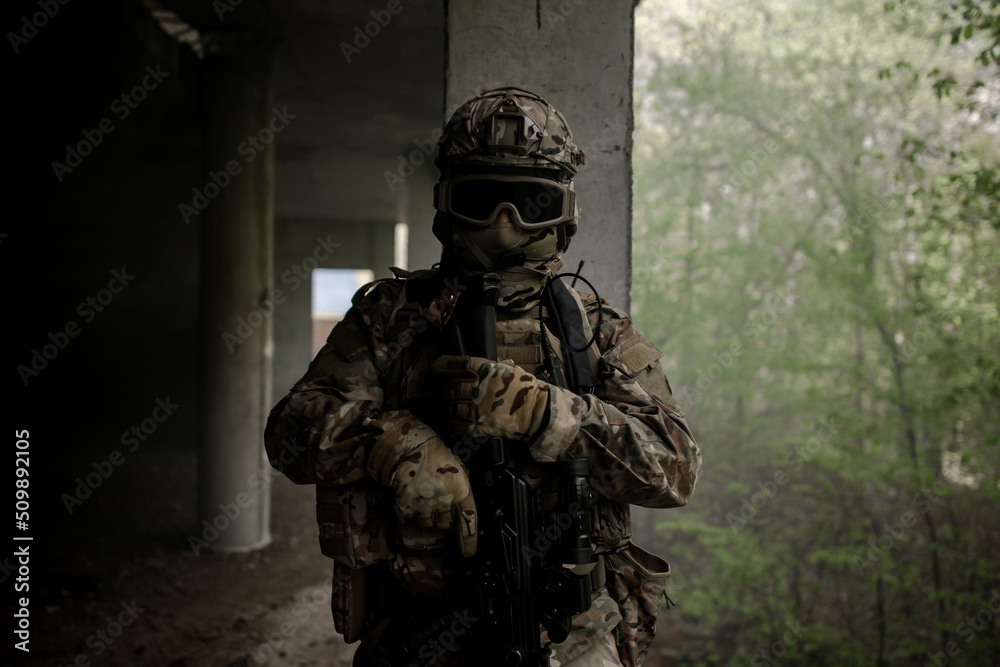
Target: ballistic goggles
(533,202)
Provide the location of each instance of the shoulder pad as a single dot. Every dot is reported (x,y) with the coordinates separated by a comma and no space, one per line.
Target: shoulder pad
(591,304)
(390,285)
(588,299)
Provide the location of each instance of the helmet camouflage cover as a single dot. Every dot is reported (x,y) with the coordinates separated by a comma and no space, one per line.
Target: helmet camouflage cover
(508,127)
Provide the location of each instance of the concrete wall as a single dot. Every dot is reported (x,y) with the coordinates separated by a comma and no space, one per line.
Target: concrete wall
(577,54)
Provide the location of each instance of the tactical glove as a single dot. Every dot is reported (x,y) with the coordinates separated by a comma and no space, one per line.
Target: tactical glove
(493,398)
(432,485)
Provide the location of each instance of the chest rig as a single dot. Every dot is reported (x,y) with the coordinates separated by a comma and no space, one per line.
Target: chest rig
(556,345)
(519,343)
(553,346)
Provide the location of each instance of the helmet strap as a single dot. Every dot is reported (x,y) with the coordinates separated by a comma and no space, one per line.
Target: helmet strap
(477,252)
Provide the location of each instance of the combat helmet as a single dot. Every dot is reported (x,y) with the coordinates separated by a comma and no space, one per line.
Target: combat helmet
(508,127)
(507,148)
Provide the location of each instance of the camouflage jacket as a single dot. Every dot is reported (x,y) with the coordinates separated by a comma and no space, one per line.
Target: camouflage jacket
(370,391)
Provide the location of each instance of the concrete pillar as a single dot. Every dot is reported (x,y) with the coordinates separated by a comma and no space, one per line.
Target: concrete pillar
(236,279)
(578,55)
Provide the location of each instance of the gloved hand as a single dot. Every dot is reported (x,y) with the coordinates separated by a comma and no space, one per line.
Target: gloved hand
(432,485)
(493,398)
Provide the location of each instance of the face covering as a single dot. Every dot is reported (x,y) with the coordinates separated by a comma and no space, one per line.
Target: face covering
(524,260)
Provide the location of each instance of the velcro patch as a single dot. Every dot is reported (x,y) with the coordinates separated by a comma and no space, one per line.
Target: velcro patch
(639,355)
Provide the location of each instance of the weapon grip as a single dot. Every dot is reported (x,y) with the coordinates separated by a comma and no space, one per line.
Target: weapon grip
(473,325)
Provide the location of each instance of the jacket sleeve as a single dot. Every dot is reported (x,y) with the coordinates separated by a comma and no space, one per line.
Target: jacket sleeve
(631,428)
(331,428)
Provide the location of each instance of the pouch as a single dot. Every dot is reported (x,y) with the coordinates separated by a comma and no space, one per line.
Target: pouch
(636,581)
(361,599)
(351,529)
(347,601)
(355,536)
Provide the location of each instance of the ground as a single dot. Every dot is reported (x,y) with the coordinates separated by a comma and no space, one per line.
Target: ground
(124,557)
(117,582)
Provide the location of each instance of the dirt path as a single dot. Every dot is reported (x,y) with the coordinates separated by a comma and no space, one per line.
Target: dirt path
(117,583)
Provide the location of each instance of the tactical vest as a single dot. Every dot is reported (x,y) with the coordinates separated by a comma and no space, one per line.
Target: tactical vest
(354,529)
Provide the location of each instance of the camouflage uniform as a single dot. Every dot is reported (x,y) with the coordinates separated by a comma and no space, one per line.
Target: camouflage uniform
(370,397)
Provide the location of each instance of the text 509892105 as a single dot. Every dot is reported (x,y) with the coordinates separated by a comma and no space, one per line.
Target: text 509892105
(22,631)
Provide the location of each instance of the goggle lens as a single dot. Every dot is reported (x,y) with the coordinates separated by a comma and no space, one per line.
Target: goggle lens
(538,202)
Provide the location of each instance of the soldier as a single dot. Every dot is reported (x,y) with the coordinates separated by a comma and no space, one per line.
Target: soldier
(383,418)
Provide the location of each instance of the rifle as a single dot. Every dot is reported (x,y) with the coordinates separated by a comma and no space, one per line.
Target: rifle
(521,579)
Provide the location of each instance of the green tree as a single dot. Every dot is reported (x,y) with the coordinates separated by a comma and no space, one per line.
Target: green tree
(816,254)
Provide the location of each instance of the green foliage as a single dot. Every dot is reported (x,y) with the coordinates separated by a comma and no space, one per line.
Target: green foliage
(976,16)
(816,253)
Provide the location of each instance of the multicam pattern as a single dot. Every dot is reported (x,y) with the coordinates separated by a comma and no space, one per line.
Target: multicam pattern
(587,634)
(371,397)
(520,286)
(601,653)
(493,398)
(545,129)
(432,487)
(636,580)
